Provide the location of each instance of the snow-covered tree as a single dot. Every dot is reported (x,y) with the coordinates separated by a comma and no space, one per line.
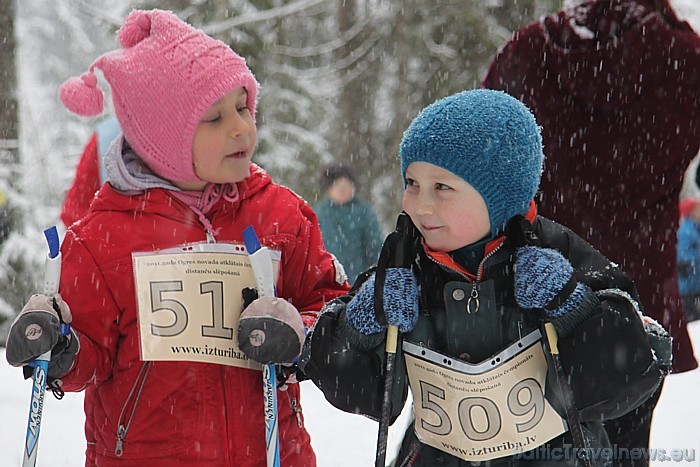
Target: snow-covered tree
(340,81)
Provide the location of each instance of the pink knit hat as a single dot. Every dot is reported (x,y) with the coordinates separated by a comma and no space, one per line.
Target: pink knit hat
(164,78)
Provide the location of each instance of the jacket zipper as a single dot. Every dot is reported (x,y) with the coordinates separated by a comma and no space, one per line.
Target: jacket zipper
(123,426)
(295,409)
(474,295)
(210,236)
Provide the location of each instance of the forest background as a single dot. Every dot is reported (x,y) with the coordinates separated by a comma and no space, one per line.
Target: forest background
(340,81)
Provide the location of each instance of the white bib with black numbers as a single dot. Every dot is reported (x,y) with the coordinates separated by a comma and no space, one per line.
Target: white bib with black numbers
(189,302)
(482,411)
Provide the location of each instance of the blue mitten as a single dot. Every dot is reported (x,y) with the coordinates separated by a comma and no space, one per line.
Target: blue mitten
(400,303)
(543,279)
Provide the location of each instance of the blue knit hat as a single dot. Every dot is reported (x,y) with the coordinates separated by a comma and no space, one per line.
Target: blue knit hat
(489,139)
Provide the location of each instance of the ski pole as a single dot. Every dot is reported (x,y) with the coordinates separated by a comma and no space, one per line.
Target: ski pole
(261,262)
(52,276)
(519,231)
(392,337)
(400,241)
(568,396)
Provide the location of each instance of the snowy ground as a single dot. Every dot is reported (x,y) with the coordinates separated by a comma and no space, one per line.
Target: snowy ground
(340,440)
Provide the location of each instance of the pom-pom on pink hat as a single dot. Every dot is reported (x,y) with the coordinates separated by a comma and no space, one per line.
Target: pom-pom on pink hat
(164,78)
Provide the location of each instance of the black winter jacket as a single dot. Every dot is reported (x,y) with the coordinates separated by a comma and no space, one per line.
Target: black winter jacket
(607,357)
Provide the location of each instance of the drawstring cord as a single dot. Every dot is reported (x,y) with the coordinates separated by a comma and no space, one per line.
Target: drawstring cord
(202,202)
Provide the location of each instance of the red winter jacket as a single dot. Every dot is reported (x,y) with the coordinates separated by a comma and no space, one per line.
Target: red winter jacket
(615,85)
(182,413)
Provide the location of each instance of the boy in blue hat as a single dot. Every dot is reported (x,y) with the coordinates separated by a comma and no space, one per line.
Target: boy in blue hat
(483,275)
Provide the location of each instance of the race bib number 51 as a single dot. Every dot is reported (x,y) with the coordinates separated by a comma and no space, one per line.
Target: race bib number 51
(189,302)
(482,411)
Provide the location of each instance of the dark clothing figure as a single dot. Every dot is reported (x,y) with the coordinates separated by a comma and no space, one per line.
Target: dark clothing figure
(351,232)
(349,226)
(615,85)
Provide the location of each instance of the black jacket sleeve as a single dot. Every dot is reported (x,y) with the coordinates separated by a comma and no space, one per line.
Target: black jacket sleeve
(351,379)
(608,356)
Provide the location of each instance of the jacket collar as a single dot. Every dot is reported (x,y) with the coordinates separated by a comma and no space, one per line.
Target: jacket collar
(444,259)
(161,201)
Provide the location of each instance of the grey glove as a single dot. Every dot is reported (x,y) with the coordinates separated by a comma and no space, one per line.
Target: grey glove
(35,331)
(271,330)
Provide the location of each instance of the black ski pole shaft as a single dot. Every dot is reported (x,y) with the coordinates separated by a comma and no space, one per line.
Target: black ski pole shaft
(568,396)
(392,334)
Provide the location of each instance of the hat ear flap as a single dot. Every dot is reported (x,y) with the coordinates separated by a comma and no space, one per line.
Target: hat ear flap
(136,27)
(81,95)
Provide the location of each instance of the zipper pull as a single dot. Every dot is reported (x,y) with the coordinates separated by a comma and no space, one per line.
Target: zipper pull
(297,412)
(473,298)
(520,330)
(210,237)
(121,434)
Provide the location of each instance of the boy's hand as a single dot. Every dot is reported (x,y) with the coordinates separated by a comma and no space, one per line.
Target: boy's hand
(400,303)
(35,331)
(543,279)
(271,331)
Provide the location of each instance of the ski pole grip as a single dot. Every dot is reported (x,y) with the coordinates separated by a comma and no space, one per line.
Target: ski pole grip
(392,338)
(52,266)
(552,338)
(52,274)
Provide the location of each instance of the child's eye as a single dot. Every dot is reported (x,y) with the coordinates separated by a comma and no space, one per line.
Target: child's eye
(411,182)
(441,186)
(241,108)
(211,118)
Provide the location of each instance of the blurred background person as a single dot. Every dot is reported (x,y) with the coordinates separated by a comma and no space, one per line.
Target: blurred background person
(349,225)
(615,85)
(90,173)
(5,217)
(689,257)
(691,180)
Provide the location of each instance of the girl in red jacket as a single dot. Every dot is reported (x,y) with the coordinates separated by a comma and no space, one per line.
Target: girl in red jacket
(154,273)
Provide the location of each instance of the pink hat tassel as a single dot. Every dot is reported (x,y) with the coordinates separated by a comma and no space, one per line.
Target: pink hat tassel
(81,95)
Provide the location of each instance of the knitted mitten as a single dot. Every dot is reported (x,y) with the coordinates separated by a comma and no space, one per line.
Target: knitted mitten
(543,279)
(400,303)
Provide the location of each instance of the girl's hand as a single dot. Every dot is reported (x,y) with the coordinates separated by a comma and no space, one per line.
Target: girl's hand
(271,331)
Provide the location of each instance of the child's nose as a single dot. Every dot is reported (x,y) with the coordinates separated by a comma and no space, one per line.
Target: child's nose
(424,204)
(237,127)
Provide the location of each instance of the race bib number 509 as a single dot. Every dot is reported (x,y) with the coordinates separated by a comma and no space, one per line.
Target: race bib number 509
(189,302)
(482,411)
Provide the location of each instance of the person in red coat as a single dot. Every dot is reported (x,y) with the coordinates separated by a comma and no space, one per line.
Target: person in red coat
(156,278)
(615,85)
(90,173)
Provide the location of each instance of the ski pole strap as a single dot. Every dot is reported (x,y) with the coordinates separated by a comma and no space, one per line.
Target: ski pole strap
(380,276)
(395,253)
